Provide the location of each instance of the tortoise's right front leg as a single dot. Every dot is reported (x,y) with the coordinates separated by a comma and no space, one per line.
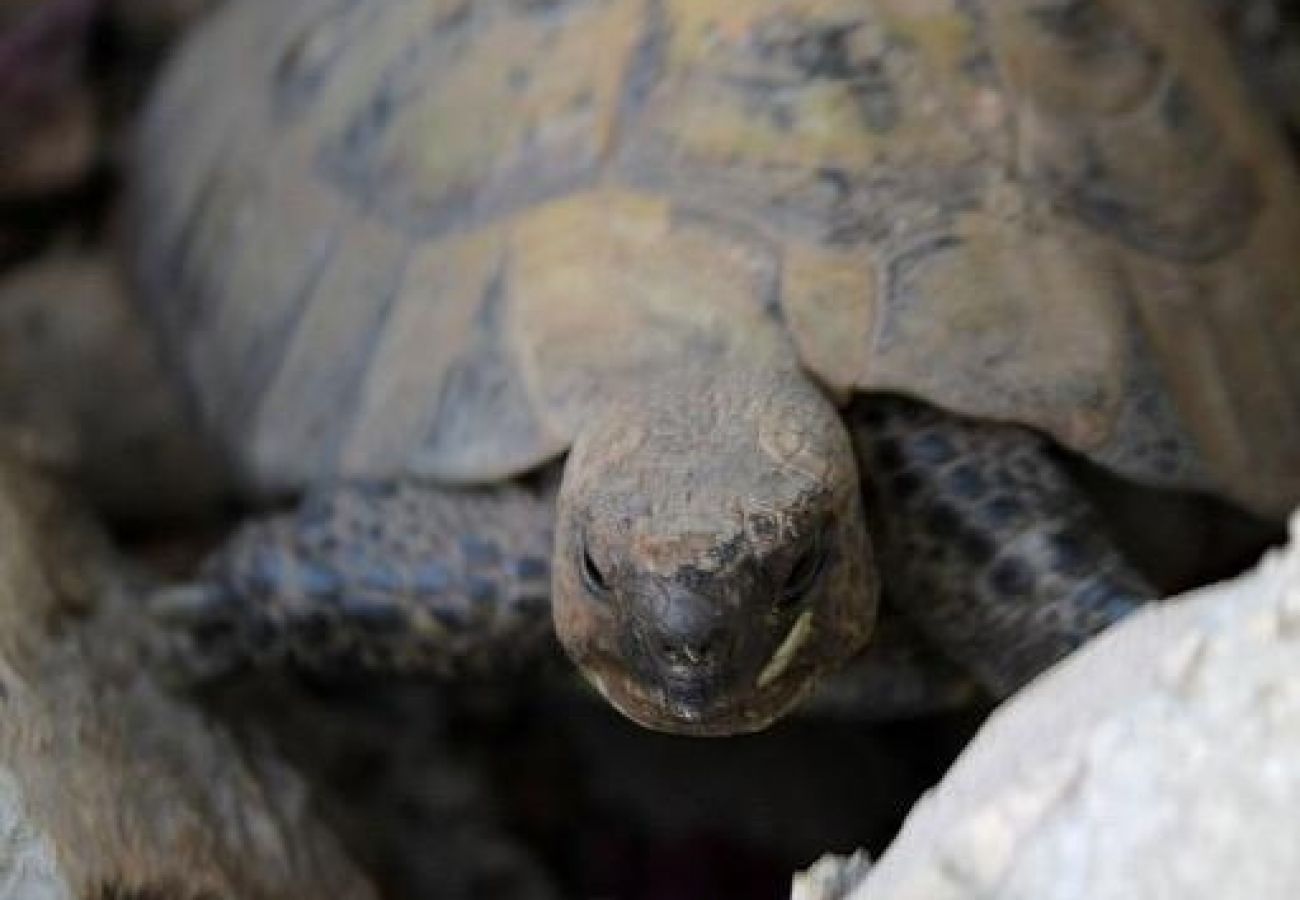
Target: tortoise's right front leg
(405,577)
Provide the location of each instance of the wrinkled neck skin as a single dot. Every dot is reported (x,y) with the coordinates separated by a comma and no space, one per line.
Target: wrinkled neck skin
(711,556)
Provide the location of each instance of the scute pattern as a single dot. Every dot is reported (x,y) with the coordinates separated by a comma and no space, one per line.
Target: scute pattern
(1062,213)
(415,152)
(1117,138)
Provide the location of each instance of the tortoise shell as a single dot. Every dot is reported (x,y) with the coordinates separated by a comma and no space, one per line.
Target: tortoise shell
(423,237)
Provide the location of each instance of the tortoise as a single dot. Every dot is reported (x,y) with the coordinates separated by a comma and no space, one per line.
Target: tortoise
(693,323)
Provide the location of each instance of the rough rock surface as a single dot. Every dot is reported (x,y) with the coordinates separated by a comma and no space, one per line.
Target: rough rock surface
(67,315)
(110,786)
(1163,761)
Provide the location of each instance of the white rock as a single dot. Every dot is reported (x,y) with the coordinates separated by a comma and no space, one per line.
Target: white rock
(1162,761)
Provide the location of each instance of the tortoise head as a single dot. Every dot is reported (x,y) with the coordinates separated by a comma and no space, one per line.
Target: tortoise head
(711,555)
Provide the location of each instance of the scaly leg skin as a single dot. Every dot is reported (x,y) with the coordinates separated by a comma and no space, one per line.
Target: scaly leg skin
(394,578)
(431,581)
(985,542)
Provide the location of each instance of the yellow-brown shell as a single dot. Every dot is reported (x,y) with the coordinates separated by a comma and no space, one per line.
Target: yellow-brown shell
(423,236)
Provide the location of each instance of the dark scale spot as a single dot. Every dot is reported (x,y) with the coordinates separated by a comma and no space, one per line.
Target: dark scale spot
(1003,510)
(904,485)
(931,449)
(966,482)
(372,613)
(481,590)
(400,548)
(529,567)
(975,547)
(1011,577)
(887,455)
(429,578)
(1006,480)
(478,552)
(940,521)
(1070,552)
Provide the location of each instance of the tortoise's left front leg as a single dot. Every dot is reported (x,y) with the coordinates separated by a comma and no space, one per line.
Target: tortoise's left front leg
(408,578)
(986,542)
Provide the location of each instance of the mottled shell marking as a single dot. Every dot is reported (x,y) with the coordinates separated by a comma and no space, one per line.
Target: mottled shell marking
(433,238)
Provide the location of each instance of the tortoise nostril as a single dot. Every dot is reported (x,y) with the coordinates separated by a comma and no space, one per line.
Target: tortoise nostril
(687,635)
(687,654)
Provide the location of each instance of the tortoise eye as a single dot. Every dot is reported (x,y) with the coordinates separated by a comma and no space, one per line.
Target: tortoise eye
(592,578)
(805,572)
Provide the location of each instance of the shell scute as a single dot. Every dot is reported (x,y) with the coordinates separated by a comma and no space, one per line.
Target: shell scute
(1064,213)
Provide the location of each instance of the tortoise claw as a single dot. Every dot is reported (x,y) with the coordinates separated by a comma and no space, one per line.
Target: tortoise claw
(202,640)
(189,604)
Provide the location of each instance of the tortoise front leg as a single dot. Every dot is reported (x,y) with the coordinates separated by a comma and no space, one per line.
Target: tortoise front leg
(406,577)
(986,543)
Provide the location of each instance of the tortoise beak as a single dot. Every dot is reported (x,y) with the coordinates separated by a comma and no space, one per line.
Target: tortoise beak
(662,711)
(704,702)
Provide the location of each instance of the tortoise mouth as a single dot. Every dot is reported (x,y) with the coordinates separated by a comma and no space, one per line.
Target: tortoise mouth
(670,709)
